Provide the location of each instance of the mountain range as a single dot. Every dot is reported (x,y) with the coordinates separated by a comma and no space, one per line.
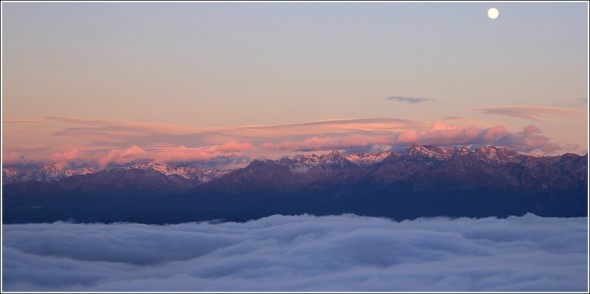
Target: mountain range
(50,173)
(422,181)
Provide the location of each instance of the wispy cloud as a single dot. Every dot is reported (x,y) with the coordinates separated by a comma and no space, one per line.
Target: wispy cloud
(409,99)
(20,121)
(126,133)
(335,122)
(536,113)
(328,143)
(80,121)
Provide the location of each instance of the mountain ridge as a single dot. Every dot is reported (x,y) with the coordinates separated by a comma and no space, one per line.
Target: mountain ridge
(298,163)
(421,181)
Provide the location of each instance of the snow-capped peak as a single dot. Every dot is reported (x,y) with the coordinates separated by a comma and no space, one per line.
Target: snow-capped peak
(160,167)
(496,154)
(431,151)
(365,159)
(187,172)
(304,163)
(45,173)
(333,157)
(464,150)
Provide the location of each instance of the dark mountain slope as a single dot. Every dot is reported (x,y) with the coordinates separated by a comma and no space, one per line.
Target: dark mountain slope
(422,181)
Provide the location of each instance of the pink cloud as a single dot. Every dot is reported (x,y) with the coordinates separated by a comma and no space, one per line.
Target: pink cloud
(67,155)
(317,135)
(439,126)
(80,121)
(14,158)
(233,146)
(122,156)
(201,153)
(61,160)
(270,146)
(102,158)
(494,132)
(442,132)
(133,151)
(530,129)
(408,136)
(316,143)
(530,139)
(20,121)
(105,142)
(471,132)
(181,153)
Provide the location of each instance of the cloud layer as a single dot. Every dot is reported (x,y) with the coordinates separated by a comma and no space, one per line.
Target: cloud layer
(103,143)
(301,253)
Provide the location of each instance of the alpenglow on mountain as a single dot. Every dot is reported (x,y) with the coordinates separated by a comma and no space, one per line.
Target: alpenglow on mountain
(50,173)
(422,181)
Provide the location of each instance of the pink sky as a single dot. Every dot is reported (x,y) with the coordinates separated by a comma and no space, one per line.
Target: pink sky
(99,143)
(101,84)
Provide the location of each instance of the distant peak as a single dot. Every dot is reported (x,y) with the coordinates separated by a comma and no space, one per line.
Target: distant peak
(420,149)
(440,153)
(332,156)
(487,148)
(497,154)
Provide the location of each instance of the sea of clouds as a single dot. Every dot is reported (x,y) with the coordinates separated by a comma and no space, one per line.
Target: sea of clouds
(301,253)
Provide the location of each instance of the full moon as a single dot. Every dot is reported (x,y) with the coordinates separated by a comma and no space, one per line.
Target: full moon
(493,13)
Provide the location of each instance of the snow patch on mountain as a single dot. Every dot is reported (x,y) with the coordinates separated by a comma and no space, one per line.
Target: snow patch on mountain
(497,155)
(46,173)
(302,163)
(187,172)
(50,173)
(367,159)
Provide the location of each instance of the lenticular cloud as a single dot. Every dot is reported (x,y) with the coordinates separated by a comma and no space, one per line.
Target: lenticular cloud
(301,253)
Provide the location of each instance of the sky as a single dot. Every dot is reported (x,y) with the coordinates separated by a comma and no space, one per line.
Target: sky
(110,83)
(301,253)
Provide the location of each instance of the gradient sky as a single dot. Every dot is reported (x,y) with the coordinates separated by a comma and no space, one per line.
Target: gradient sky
(118,82)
